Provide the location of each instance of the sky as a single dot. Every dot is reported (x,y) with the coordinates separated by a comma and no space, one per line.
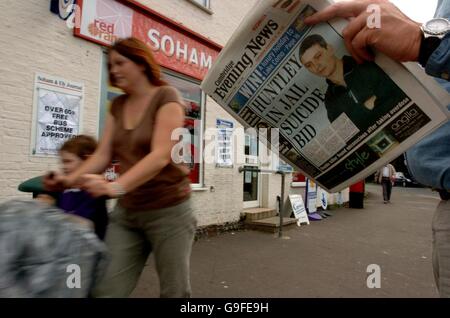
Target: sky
(418,10)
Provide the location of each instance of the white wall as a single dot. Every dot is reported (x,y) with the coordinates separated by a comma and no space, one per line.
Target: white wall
(32,40)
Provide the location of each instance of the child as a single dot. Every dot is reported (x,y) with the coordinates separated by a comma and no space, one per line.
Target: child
(75,201)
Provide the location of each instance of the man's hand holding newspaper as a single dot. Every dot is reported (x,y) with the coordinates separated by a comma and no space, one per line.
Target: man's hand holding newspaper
(341,110)
(360,35)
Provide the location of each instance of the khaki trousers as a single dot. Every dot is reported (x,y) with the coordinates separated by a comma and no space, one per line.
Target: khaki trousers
(130,238)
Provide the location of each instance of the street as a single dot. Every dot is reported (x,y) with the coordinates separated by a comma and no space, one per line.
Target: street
(325,259)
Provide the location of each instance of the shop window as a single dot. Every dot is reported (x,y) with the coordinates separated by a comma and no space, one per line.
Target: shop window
(194,98)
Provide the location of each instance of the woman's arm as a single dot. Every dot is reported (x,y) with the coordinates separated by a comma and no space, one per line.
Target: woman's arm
(168,118)
(101,158)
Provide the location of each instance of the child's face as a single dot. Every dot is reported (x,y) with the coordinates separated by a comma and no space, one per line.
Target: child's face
(70,162)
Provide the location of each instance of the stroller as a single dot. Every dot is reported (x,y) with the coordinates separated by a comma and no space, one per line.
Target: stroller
(46,253)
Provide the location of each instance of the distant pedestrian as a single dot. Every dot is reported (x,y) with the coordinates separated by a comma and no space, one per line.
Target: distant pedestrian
(385,176)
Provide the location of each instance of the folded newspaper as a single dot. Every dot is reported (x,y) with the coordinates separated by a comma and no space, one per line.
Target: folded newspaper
(338,121)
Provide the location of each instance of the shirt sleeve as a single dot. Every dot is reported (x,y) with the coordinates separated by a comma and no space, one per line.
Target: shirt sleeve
(170,95)
(438,64)
(428,160)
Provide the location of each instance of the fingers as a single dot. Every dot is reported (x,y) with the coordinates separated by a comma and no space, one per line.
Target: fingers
(52,181)
(50,175)
(94,184)
(354,28)
(356,35)
(360,45)
(341,9)
(48,183)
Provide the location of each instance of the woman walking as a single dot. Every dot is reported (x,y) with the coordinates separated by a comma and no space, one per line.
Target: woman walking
(153,211)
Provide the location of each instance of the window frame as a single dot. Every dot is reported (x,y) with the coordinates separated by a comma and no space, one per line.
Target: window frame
(205,7)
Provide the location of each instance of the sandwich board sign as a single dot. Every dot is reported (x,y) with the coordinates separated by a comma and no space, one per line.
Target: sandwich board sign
(323,198)
(311,196)
(299,209)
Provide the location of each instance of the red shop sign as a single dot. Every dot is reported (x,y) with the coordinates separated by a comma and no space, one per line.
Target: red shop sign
(174,46)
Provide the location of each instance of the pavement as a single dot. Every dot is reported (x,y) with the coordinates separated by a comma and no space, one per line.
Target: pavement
(328,258)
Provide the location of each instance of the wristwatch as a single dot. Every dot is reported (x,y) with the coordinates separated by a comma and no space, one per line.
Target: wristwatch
(437,27)
(432,33)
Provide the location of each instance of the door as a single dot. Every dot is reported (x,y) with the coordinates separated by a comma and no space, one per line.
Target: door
(252,180)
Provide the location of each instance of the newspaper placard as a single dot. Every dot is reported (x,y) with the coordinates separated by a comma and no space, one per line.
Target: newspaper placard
(323,198)
(299,209)
(338,121)
(311,196)
(57,113)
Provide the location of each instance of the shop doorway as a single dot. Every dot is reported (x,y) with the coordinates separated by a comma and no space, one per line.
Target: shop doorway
(252,180)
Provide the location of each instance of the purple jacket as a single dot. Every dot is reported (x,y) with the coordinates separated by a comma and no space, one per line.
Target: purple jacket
(81,203)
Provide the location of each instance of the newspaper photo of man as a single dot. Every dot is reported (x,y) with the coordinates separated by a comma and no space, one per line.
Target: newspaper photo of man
(364,92)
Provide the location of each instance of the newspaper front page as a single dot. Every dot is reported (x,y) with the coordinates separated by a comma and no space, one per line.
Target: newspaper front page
(338,121)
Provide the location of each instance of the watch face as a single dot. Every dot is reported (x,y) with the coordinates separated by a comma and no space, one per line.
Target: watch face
(437,26)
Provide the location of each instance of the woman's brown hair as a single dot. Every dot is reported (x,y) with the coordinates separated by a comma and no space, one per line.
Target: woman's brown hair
(139,53)
(82,146)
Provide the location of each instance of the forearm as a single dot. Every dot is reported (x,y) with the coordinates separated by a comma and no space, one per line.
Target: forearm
(145,170)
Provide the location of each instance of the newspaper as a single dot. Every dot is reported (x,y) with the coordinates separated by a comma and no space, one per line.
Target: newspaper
(338,121)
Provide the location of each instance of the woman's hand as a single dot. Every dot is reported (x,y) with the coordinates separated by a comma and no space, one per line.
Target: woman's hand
(55,182)
(97,186)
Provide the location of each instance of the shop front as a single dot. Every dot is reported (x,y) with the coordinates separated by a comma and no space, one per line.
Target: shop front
(185,58)
(65,54)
